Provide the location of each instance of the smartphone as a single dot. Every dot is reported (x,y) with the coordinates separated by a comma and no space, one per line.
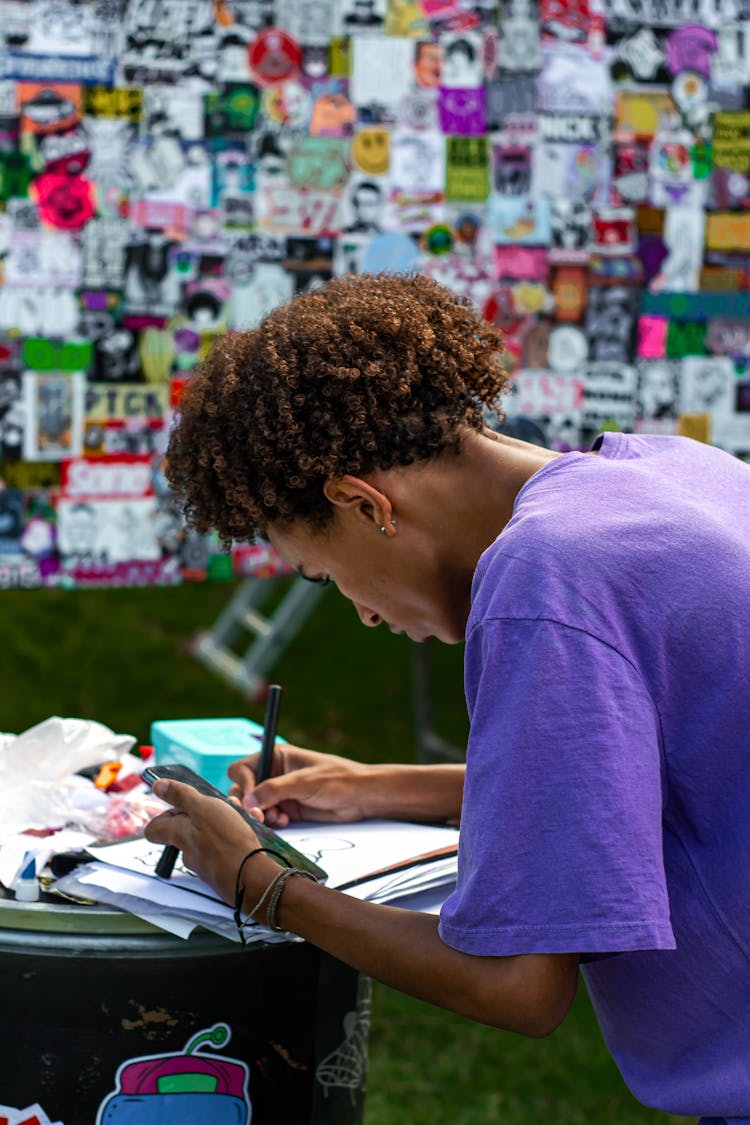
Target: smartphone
(266,836)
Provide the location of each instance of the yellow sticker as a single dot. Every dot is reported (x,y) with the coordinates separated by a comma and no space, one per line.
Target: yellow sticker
(695,426)
(371,150)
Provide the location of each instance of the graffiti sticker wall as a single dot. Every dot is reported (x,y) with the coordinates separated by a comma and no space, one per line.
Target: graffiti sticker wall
(174,169)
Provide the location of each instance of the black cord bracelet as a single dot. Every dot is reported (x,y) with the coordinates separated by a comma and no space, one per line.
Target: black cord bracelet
(239,890)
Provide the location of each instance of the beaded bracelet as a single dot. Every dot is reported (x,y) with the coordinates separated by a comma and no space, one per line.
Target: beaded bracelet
(250,920)
(279,884)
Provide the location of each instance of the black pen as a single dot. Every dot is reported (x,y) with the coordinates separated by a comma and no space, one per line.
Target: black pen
(167,860)
(270,730)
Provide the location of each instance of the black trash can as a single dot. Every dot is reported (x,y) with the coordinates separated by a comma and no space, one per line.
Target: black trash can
(108,1021)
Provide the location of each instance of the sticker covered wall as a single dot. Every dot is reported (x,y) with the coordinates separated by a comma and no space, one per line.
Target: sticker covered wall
(174,169)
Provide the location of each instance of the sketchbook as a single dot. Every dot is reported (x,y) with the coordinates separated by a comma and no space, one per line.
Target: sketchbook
(413,866)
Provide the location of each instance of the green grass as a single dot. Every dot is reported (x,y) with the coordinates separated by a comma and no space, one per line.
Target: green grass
(429,1067)
(122,657)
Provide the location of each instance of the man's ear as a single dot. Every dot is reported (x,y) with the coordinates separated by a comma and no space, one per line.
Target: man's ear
(362,500)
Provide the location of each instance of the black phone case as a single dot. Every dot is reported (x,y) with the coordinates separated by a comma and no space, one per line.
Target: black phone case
(267,838)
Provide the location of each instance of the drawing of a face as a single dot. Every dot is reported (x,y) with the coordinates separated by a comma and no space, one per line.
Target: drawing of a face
(371,150)
(333,115)
(427,62)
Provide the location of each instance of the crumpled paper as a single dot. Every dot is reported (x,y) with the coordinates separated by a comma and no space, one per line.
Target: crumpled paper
(37,788)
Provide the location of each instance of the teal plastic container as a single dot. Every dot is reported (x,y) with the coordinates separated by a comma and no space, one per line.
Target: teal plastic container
(208,746)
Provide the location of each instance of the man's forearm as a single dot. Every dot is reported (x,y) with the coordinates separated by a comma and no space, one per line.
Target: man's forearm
(527,994)
(426,793)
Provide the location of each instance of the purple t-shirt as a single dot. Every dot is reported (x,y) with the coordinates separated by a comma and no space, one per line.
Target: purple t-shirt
(607,800)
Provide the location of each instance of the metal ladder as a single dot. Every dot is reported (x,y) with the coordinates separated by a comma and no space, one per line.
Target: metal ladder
(270,632)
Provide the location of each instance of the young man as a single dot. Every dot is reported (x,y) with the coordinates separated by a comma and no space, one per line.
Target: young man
(605,803)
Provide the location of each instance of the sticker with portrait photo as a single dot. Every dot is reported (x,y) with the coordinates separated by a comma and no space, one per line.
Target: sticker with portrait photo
(462,60)
(365,205)
(427,64)
(657,391)
(54,405)
(152,283)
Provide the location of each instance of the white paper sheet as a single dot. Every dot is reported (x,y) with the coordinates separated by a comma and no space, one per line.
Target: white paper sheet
(122,874)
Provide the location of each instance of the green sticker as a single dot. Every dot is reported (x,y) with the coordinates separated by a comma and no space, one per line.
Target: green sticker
(702,160)
(43,354)
(467,170)
(687,337)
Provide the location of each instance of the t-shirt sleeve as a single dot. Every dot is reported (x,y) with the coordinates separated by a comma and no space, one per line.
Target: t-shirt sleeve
(561,836)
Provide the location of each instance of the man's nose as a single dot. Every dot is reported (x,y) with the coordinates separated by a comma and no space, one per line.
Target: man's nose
(368,616)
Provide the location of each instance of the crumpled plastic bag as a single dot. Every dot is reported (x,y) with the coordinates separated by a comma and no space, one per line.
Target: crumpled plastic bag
(129,814)
(36,767)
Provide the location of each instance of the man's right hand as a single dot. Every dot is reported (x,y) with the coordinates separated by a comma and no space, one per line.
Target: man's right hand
(305,785)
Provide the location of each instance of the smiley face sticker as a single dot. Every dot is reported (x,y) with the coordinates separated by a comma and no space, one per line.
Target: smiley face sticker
(371,150)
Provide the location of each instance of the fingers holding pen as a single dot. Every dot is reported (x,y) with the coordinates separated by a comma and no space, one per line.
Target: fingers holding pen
(250,789)
(304,785)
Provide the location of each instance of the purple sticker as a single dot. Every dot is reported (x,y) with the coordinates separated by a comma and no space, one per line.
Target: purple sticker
(462,112)
(95,299)
(690,48)
(652,252)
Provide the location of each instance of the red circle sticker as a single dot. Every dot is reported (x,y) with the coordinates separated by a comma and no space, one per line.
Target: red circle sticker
(274,56)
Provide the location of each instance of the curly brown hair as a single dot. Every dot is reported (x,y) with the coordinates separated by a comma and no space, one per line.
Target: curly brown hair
(367,372)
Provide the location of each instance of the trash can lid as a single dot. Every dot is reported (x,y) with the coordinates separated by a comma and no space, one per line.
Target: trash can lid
(68,917)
